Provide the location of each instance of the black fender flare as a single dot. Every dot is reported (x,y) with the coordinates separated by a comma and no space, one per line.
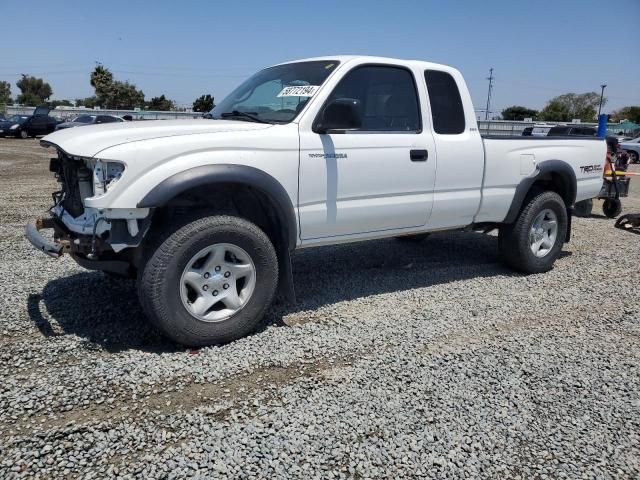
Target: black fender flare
(180,182)
(563,169)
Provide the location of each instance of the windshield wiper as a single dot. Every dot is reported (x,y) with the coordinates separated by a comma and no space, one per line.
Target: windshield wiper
(253,116)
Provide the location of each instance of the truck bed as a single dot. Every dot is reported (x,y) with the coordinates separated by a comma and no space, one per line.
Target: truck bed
(509,160)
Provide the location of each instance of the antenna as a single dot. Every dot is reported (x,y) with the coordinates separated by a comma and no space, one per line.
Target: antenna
(490,78)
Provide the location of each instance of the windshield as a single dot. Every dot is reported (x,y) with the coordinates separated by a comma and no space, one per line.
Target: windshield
(276,94)
(84,119)
(18,118)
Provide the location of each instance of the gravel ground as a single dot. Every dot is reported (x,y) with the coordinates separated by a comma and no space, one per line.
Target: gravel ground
(428,360)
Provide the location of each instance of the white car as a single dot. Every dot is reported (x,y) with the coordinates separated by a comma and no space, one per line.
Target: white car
(632,147)
(206,213)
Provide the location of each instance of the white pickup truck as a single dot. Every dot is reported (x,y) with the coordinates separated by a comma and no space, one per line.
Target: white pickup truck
(206,213)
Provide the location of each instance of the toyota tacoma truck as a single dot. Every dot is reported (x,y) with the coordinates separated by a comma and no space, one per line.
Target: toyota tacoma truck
(206,213)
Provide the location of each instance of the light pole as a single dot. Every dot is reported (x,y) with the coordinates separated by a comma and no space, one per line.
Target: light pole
(490,78)
(603,86)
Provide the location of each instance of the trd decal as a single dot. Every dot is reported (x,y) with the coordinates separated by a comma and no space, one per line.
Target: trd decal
(590,168)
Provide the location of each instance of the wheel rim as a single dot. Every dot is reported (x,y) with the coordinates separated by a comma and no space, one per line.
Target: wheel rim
(217,282)
(24,134)
(543,233)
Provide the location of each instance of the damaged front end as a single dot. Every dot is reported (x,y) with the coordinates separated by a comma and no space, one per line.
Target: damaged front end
(98,239)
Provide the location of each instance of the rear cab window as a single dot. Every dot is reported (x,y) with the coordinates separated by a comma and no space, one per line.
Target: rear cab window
(447,110)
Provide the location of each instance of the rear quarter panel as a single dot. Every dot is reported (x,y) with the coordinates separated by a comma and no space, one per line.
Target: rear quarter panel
(508,161)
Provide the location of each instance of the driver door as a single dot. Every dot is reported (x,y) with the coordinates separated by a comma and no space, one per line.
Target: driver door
(379,177)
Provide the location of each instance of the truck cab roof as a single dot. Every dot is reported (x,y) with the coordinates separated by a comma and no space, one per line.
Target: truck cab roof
(343,59)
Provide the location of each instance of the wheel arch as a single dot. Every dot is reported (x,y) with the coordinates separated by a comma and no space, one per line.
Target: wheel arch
(224,174)
(554,175)
(257,196)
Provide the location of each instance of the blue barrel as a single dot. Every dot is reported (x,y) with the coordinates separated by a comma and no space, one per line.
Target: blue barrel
(603,119)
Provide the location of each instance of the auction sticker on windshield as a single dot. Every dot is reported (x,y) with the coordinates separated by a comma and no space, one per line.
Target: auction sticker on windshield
(299,91)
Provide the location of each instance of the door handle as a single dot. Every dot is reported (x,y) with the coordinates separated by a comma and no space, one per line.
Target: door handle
(418,155)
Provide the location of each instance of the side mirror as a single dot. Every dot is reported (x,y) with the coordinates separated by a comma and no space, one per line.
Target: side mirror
(340,114)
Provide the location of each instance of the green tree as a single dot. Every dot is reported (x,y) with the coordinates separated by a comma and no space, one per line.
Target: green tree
(568,106)
(112,93)
(517,112)
(101,80)
(204,103)
(35,91)
(631,113)
(5,93)
(160,103)
(88,102)
(127,96)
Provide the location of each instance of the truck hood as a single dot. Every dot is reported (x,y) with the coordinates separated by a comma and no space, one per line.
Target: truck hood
(89,140)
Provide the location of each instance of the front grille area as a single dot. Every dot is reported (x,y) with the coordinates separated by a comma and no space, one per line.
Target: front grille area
(75,179)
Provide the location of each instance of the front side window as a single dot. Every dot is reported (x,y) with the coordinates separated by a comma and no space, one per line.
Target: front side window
(276,94)
(18,119)
(387,96)
(446,104)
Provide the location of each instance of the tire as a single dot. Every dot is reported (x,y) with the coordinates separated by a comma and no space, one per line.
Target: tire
(24,134)
(416,238)
(516,241)
(612,207)
(633,156)
(583,209)
(117,276)
(165,283)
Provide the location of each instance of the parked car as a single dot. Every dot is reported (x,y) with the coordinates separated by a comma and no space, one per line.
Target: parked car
(572,130)
(24,126)
(84,120)
(632,147)
(205,213)
(536,131)
(12,126)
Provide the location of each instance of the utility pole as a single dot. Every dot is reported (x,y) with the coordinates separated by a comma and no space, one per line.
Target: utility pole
(603,86)
(490,78)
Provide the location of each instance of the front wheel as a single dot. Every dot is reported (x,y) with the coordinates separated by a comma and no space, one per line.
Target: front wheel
(210,281)
(634,157)
(23,134)
(533,243)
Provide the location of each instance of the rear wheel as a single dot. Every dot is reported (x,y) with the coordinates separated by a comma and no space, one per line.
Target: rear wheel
(634,157)
(612,207)
(533,243)
(210,281)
